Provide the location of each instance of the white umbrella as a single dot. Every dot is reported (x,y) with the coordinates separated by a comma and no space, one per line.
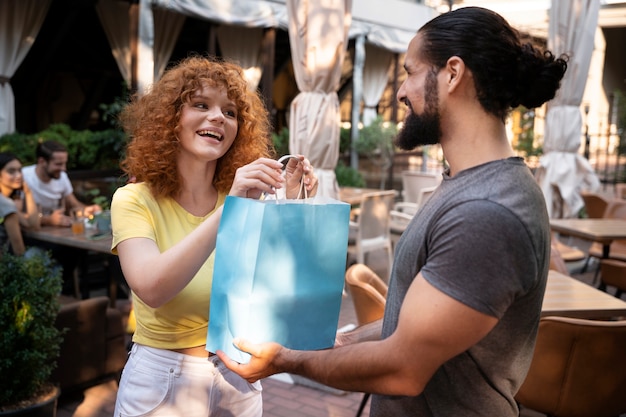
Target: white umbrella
(562,169)
(318,35)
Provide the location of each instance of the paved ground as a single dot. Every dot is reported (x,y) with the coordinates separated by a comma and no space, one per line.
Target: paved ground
(282,398)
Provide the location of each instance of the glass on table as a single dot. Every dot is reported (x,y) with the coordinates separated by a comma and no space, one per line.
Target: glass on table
(78,222)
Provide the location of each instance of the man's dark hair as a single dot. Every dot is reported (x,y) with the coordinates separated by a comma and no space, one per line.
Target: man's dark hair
(46,149)
(506,72)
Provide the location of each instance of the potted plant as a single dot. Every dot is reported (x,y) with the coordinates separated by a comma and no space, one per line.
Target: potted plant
(30,342)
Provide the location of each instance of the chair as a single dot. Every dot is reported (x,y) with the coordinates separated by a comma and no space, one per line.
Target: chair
(578,369)
(616,209)
(369,295)
(613,273)
(93,347)
(368,291)
(595,204)
(414,181)
(556,261)
(370,232)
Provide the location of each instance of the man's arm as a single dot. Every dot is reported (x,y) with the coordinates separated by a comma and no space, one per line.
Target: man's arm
(71,202)
(432,329)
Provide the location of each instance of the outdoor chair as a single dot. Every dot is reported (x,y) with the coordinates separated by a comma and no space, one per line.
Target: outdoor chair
(556,261)
(93,347)
(368,291)
(369,295)
(578,369)
(370,231)
(616,209)
(595,204)
(613,273)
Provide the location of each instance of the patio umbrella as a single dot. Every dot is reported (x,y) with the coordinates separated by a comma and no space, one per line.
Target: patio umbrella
(563,172)
(318,35)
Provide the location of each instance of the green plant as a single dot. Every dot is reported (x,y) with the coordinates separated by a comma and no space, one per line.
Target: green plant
(97,198)
(87,149)
(281,142)
(348,176)
(29,345)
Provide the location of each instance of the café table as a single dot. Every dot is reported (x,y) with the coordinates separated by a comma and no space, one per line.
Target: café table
(353,195)
(569,297)
(90,240)
(603,231)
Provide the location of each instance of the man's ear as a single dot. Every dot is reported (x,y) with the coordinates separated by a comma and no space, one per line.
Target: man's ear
(456,71)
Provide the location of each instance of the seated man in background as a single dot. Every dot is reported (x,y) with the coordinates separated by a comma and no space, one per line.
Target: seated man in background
(51,187)
(54,195)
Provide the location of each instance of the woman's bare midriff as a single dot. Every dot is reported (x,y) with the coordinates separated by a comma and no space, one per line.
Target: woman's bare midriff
(199,351)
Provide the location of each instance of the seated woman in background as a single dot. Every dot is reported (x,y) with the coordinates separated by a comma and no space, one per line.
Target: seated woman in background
(11,240)
(13,187)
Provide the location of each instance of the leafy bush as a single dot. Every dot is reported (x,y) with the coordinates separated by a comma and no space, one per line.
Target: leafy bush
(281,142)
(29,345)
(348,176)
(87,149)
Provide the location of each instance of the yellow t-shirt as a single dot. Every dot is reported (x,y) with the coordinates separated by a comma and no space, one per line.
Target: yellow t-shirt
(183,321)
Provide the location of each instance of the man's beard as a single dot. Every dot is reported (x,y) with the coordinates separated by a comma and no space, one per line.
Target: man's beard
(425,128)
(53,174)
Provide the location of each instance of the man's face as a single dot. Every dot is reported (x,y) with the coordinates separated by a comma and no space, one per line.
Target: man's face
(419,92)
(56,165)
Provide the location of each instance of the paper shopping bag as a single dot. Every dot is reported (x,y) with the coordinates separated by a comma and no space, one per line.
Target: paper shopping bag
(278,274)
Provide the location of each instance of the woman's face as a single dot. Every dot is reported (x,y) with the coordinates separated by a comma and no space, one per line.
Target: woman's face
(208,124)
(11,175)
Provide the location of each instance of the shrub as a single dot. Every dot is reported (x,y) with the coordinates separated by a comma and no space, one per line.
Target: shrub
(30,342)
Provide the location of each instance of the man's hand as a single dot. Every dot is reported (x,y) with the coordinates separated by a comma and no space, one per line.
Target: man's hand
(58,218)
(262,362)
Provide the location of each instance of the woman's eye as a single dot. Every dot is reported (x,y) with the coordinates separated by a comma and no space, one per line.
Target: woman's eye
(230,113)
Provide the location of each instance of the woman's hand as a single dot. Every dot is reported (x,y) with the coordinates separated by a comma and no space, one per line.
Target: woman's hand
(261,176)
(297,170)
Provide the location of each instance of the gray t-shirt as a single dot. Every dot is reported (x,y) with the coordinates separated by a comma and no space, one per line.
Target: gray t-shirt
(6,207)
(483,238)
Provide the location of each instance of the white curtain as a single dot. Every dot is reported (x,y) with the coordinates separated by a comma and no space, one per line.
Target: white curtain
(167,28)
(115,22)
(563,172)
(375,77)
(20,21)
(114,17)
(243,45)
(318,36)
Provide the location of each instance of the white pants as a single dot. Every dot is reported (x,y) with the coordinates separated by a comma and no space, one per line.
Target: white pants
(158,382)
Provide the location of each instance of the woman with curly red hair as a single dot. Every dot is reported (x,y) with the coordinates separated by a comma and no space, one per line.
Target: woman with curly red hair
(196,136)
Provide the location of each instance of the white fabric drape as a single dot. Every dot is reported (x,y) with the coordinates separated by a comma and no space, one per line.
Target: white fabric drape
(375,77)
(167,28)
(20,21)
(571,30)
(115,22)
(252,13)
(318,36)
(114,17)
(243,45)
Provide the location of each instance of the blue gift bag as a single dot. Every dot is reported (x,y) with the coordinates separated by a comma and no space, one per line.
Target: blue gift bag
(279,273)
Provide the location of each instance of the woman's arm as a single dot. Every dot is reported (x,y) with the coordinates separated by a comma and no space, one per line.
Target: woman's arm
(29,215)
(12,227)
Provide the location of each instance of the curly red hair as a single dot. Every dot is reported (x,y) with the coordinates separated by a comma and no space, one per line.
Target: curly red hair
(152,121)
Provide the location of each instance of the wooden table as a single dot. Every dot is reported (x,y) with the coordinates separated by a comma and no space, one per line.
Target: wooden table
(64,236)
(603,231)
(88,241)
(568,297)
(353,195)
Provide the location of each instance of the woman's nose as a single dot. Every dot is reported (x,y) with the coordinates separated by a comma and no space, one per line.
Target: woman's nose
(215,113)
